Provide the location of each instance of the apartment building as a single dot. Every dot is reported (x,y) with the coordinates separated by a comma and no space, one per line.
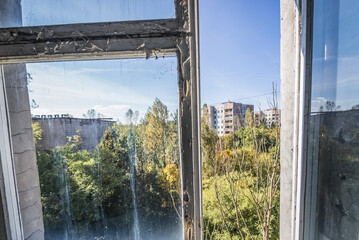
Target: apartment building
(227,117)
(267,117)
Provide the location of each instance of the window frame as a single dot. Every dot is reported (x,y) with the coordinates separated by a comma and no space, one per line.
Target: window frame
(296,64)
(296,69)
(115,40)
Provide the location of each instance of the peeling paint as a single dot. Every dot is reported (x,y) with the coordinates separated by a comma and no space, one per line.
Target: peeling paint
(148,38)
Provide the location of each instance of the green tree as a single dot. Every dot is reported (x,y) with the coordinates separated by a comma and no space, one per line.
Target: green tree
(209,139)
(241,190)
(156,131)
(37,131)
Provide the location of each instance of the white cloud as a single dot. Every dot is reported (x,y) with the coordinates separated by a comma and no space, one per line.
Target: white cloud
(116,112)
(319,100)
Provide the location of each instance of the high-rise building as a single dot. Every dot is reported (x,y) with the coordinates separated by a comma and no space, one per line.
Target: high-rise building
(268,117)
(227,117)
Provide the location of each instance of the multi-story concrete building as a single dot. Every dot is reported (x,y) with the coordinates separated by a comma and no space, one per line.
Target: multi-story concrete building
(268,117)
(227,117)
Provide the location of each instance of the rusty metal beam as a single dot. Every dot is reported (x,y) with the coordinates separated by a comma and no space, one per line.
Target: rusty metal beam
(90,31)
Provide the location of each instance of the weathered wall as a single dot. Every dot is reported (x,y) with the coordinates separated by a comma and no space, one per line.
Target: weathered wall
(21,132)
(55,131)
(9,16)
(24,151)
(288,90)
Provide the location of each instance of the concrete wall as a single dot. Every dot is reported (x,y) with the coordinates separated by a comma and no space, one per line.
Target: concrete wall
(24,151)
(21,132)
(55,131)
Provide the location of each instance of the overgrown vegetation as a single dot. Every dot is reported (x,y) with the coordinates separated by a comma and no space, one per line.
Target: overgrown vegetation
(241,181)
(88,194)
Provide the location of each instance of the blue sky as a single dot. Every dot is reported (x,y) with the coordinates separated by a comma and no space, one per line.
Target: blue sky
(240,50)
(36,12)
(336,56)
(110,87)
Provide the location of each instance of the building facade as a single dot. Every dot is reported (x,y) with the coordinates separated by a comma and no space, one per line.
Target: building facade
(267,117)
(57,130)
(227,117)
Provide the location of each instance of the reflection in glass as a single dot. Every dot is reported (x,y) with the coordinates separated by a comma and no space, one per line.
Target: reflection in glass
(106,136)
(54,12)
(332,184)
(2,220)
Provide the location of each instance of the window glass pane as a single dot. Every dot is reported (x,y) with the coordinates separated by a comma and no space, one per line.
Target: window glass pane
(332,194)
(52,12)
(107,147)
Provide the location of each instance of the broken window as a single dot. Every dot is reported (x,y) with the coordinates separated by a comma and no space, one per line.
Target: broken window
(169,42)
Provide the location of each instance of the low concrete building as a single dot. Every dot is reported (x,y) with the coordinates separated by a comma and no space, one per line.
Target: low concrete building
(57,130)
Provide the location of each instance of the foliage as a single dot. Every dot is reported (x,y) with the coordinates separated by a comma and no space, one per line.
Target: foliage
(91,114)
(241,182)
(36,129)
(81,189)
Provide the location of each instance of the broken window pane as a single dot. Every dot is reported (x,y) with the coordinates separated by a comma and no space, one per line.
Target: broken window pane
(332,192)
(54,12)
(107,146)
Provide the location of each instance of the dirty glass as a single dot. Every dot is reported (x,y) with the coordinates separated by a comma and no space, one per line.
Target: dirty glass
(107,146)
(54,12)
(332,184)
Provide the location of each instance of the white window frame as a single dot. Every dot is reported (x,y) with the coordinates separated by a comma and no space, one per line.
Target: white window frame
(115,40)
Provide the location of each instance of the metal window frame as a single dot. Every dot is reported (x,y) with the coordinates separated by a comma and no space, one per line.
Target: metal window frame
(114,40)
(305,69)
